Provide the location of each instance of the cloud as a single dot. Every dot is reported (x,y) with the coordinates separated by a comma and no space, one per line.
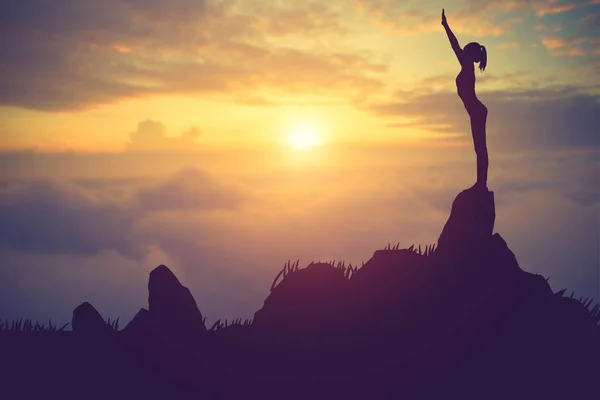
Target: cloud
(190,189)
(543,8)
(60,55)
(480,18)
(474,17)
(281,19)
(53,218)
(557,116)
(509,45)
(572,46)
(99,20)
(92,215)
(592,18)
(106,183)
(50,286)
(555,237)
(550,27)
(150,137)
(238,70)
(573,36)
(569,174)
(228,257)
(78,55)
(228,274)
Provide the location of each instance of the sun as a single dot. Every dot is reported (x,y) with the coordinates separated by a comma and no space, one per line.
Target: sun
(303,136)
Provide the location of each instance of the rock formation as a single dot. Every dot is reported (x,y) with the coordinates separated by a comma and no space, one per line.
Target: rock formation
(88,321)
(171,307)
(172,303)
(471,222)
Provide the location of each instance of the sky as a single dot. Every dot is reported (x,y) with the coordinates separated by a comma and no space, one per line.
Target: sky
(224,137)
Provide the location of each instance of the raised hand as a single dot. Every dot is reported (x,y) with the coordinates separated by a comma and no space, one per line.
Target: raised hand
(443,17)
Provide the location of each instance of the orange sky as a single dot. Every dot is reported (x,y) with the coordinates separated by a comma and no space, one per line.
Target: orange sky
(243,72)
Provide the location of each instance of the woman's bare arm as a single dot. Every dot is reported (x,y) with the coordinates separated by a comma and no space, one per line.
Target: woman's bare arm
(452,38)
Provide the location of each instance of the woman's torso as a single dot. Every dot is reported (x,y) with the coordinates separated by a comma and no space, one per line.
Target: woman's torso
(465,83)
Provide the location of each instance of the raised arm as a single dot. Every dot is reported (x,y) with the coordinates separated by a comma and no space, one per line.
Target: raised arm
(452,38)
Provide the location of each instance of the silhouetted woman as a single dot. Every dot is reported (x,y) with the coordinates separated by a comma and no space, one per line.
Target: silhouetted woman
(465,83)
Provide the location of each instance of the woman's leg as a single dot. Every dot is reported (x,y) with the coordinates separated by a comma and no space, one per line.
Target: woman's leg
(478,121)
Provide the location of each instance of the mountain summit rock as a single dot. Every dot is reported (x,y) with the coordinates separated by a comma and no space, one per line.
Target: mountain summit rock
(471,222)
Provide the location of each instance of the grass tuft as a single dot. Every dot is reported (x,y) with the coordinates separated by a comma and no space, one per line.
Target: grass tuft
(287,269)
(27,326)
(113,324)
(219,324)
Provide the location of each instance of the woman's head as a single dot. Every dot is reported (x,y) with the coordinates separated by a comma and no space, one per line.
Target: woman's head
(476,53)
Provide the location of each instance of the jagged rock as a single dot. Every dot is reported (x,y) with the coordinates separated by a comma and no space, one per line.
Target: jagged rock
(87,320)
(499,256)
(502,268)
(140,322)
(171,304)
(471,221)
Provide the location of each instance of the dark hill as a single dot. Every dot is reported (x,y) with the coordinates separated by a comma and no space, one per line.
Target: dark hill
(460,321)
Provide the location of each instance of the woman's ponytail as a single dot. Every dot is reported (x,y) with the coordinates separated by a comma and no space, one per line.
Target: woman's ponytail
(483,59)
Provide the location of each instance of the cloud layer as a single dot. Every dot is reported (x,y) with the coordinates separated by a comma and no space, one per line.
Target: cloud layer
(518,119)
(72,241)
(52,217)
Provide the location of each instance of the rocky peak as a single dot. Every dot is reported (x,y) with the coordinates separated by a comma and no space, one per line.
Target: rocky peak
(471,222)
(87,320)
(171,303)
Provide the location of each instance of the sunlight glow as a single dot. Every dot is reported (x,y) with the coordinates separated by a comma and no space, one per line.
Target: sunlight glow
(302,135)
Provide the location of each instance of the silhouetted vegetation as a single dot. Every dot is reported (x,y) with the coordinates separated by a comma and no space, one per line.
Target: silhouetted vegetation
(27,326)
